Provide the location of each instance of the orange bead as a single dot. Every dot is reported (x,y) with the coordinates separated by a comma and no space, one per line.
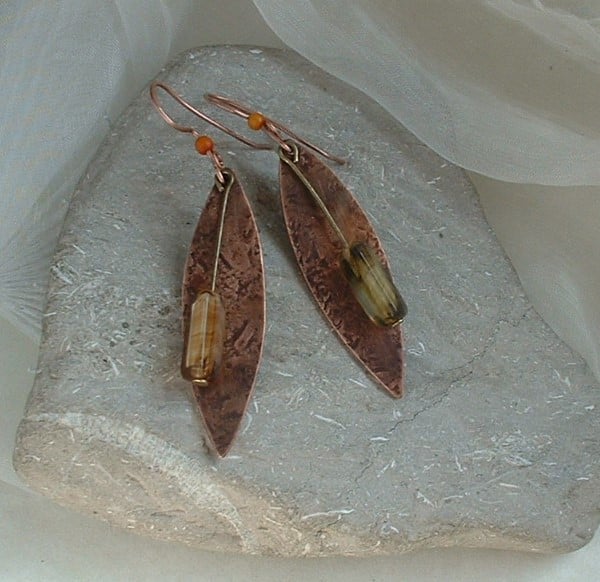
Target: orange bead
(204,144)
(256,121)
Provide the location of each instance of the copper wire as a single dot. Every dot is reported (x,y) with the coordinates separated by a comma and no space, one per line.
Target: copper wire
(271,127)
(214,155)
(311,190)
(226,191)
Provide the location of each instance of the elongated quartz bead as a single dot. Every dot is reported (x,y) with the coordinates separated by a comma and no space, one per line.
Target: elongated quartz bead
(206,334)
(372,285)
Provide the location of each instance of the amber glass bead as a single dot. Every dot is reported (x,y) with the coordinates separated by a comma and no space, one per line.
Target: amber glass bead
(204,144)
(256,121)
(372,285)
(206,334)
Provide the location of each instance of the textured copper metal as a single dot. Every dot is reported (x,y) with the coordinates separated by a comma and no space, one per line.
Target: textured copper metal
(319,250)
(240,284)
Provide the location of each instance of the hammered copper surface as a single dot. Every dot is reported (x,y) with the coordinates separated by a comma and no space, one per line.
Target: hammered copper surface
(240,284)
(319,252)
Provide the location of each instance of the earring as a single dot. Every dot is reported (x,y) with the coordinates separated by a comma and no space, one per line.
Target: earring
(223,293)
(331,236)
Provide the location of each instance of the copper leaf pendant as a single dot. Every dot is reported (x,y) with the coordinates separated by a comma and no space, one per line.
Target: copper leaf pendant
(320,244)
(231,321)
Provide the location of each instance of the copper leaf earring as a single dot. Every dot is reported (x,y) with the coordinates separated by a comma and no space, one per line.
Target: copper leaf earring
(339,254)
(223,293)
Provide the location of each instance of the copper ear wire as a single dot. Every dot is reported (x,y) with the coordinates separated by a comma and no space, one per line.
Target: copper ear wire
(211,152)
(269,126)
(289,151)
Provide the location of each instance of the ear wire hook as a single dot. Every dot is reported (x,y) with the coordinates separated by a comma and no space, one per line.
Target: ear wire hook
(210,151)
(271,127)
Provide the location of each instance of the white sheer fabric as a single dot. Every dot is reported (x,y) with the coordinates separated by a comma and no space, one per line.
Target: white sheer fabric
(507,88)
(68,68)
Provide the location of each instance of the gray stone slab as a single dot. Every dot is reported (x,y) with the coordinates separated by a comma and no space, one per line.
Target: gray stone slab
(494,445)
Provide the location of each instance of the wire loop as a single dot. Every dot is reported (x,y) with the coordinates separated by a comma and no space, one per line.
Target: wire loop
(270,127)
(213,154)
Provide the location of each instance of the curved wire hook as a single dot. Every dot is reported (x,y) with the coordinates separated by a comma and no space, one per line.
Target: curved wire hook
(186,129)
(270,126)
(212,152)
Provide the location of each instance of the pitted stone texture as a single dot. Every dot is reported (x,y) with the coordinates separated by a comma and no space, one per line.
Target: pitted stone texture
(494,445)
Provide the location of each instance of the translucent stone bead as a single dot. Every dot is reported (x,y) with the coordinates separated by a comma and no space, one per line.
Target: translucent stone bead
(372,285)
(206,334)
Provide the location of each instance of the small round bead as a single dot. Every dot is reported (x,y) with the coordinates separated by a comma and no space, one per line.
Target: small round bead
(204,144)
(256,121)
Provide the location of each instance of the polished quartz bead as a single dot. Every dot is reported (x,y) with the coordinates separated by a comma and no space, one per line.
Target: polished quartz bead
(372,285)
(206,334)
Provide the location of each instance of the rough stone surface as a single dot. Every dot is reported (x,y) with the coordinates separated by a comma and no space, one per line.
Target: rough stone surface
(495,443)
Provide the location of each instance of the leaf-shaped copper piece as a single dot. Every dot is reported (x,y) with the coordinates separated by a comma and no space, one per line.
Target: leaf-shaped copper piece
(319,250)
(240,286)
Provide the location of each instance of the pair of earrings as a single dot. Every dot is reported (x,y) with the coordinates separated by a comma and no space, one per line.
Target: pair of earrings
(223,295)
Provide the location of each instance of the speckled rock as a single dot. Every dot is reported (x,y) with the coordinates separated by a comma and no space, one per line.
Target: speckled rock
(495,443)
